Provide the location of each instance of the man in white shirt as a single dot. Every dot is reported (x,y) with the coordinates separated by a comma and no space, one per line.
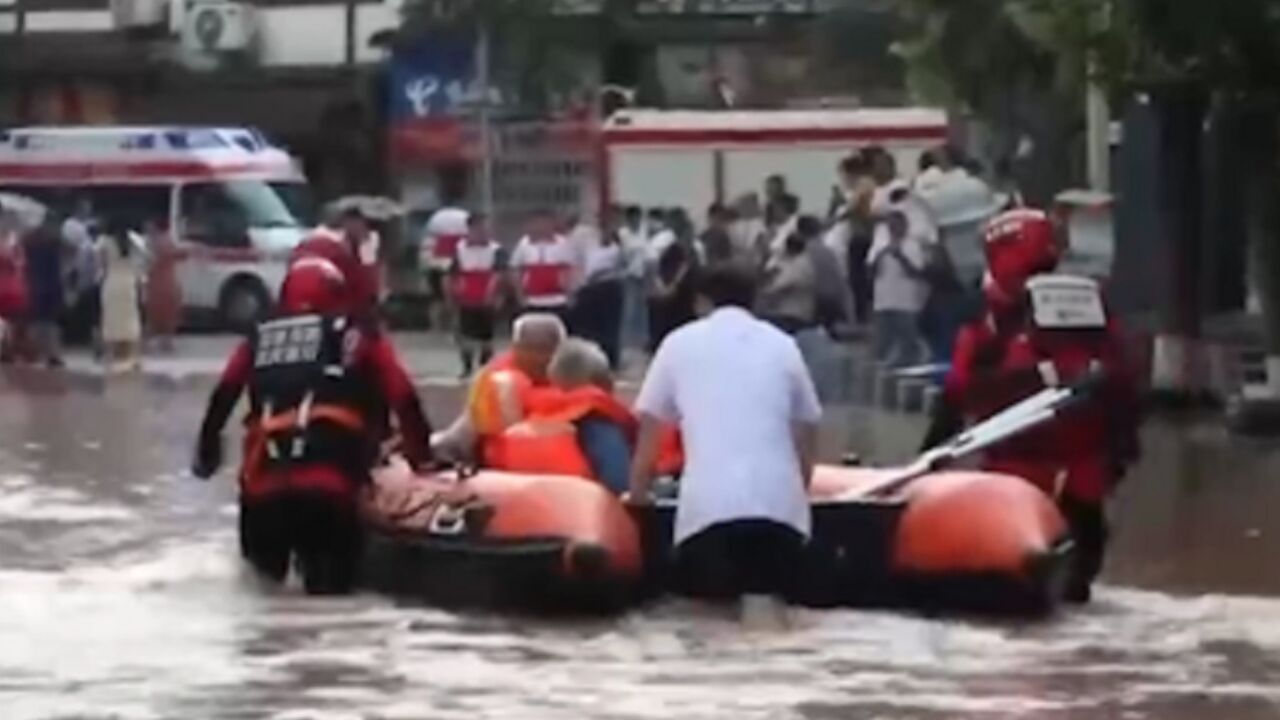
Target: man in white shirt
(748,415)
(897,263)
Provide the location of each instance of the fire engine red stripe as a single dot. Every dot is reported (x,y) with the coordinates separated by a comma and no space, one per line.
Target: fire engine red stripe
(675,136)
(125,171)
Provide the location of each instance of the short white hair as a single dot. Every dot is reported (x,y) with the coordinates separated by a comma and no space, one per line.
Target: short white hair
(538,329)
(579,362)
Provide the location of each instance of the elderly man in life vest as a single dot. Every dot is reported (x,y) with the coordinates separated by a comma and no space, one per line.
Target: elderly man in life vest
(1043,330)
(575,426)
(498,396)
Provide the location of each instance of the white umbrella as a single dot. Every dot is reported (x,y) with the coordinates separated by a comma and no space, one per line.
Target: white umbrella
(21,211)
(378,209)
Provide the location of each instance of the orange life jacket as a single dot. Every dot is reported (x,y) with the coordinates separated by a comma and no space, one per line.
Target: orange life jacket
(498,396)
(546,442)
(670,451)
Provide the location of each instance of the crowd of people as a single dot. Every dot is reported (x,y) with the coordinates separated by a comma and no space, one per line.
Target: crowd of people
(877,257)
(76,277)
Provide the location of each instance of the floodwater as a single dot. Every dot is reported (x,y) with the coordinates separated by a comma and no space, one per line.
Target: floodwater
(121,596)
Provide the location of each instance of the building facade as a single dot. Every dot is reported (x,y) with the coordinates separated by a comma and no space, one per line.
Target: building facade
(304,71)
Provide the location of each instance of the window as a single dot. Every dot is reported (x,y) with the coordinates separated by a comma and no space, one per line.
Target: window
(210,216)
(299,201)
(194,139)
(221,213)
(136,205)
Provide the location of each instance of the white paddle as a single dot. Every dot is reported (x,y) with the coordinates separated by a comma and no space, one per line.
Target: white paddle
(1031,413)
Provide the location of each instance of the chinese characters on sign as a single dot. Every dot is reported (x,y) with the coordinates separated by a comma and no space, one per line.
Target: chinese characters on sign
(289,344)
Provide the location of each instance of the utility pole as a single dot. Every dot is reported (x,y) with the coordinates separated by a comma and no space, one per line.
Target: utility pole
(486,120)
(1098,117)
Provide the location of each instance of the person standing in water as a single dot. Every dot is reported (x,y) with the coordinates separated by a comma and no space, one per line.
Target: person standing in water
(320,383)
(748,414)
(1014,351)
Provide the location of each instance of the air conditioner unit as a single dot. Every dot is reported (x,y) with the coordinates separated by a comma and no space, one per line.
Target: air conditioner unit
(129,14)
(218,26)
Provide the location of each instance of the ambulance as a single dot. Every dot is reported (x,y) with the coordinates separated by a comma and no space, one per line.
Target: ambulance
(236,204)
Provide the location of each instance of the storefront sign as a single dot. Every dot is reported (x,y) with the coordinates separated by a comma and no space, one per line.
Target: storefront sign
(728,7)
(431,85)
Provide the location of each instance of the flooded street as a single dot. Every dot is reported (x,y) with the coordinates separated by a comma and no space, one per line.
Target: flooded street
(122,596)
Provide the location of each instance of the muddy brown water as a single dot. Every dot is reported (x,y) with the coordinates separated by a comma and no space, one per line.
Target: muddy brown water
(121,596)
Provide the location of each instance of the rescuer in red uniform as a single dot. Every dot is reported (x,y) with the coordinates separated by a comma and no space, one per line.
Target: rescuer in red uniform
(344,251)
(1044,330)
(319,388)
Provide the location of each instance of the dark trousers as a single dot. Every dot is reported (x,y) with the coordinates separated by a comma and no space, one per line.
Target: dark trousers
(742,557)
(598,316)
(321,532)
(82,319)
(665,317)
(860,281)
(1088,524)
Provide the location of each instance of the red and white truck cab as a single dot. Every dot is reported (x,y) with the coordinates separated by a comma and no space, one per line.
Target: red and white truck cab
(235,204)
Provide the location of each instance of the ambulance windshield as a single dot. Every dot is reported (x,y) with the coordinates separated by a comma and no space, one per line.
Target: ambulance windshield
(262,204)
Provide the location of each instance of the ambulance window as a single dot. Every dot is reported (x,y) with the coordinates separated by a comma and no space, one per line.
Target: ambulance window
(194,139)
(210,216)
(135,204)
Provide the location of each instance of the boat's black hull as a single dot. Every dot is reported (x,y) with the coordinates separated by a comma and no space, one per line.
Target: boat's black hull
(467,573)
(849,563)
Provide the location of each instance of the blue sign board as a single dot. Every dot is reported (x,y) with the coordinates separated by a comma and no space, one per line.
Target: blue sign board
(432,79)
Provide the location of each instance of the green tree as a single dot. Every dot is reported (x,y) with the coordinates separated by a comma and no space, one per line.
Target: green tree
(1018,66)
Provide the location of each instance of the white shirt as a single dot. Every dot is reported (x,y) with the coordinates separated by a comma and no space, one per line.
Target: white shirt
(746,236)
(929,179)
(531,259)
(633,250)
(838,238)
(603,262)
(735,385)
(781,233)
(448,222)
(918,213)
(658,244)
(894,288)
(582,238)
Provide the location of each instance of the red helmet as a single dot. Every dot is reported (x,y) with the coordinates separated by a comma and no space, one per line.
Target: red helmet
(1019,245)
(314,285)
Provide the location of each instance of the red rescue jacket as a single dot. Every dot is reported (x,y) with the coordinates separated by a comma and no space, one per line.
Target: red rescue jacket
(1081,454)
(373,360)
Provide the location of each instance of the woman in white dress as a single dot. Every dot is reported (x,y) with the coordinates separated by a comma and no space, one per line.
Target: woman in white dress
(121,324)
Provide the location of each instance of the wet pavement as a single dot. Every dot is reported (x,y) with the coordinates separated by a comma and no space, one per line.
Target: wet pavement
(121,596)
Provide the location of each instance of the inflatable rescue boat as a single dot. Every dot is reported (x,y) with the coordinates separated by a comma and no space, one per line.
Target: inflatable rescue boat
(910,537)
(544,543)
(948,541)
